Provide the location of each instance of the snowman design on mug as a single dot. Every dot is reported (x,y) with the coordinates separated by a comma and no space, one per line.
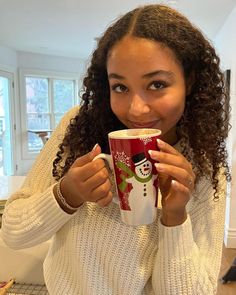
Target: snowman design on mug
(142,181)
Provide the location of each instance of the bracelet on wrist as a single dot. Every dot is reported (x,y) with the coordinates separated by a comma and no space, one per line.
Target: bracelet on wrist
(61,198)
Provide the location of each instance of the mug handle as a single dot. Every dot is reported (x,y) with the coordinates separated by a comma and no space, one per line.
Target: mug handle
(108,159)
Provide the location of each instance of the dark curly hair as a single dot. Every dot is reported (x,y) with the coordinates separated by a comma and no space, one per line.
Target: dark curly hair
(204,125)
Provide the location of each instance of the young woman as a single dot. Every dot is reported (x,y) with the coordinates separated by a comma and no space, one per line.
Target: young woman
(152,68)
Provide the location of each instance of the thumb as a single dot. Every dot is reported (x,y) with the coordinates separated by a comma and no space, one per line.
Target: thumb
(95,151)
(81,161)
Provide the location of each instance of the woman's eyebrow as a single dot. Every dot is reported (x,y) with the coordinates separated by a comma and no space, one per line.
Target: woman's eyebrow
(115,76)
(168,74)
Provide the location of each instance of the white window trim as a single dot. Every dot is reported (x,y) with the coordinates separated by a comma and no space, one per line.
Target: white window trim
(24,72)
(10,74)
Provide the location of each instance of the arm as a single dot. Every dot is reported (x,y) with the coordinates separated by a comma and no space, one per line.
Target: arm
(32,214)
(189,255)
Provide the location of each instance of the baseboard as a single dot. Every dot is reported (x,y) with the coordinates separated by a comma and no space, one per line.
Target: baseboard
(230,238)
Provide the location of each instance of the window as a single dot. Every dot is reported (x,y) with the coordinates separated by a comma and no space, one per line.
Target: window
(46,99)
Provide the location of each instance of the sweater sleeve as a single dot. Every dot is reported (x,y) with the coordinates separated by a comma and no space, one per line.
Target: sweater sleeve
(32,214)
(189,255)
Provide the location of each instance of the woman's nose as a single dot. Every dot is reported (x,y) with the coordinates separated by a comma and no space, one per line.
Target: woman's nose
(138,105)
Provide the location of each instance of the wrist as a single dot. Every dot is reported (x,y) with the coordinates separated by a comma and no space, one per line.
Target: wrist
(65,198)
(173,218)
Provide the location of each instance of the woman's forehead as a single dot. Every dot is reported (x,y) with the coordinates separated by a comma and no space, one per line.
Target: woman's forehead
(142,55)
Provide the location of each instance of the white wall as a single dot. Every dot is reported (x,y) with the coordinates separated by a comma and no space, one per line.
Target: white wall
(225,43)
(12,61)
(8,58)
(50,63)
(225,40)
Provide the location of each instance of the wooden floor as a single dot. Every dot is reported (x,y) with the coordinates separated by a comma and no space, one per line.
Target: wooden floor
(227,258)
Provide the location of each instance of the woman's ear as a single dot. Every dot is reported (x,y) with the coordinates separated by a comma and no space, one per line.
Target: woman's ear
(189,83)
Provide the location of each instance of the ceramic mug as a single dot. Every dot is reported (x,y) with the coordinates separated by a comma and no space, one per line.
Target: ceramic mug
(134,172)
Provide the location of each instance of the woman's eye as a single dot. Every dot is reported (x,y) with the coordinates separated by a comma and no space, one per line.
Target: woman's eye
(119,88)
(157,85)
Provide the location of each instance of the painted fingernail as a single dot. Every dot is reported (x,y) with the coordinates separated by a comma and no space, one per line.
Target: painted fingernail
(94,148)
(159,167)
(154,154)
(150,152)
(160,143)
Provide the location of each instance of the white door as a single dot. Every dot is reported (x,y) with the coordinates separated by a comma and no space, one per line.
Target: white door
(6,124)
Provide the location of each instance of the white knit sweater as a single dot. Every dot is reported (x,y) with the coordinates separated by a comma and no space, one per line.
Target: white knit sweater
(94,253)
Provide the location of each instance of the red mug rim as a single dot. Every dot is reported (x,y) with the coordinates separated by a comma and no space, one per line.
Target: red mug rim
(127,133)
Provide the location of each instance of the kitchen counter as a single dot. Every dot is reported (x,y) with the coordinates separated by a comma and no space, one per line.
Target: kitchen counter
(26,289)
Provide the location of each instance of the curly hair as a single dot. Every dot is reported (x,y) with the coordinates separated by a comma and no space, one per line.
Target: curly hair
(204,125)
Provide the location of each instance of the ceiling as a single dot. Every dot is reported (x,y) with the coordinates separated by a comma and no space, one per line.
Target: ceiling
(70,27)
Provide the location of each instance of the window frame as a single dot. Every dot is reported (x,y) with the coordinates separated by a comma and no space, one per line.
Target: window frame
(10,75)
(23,73)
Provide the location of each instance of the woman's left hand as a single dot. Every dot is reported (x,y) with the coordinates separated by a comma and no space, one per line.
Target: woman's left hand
(176,181)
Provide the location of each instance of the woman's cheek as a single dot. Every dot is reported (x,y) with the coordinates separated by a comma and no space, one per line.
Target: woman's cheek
(117,107)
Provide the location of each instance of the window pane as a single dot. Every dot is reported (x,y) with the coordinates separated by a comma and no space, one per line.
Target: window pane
(58,118)
(37,95)
(37,122)
(37,107)
(34,142)
(63,95)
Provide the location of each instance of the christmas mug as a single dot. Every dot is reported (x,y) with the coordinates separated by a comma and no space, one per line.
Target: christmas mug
(134,173)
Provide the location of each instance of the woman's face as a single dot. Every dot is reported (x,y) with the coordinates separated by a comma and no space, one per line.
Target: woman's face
(147,85)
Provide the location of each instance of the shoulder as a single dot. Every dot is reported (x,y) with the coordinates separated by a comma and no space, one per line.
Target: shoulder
(71,113)
(204,192)
(65,120)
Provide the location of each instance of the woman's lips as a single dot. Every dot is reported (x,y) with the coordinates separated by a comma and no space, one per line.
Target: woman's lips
(151,124)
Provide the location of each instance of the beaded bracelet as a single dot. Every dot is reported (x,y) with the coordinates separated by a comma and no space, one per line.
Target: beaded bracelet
(61,198)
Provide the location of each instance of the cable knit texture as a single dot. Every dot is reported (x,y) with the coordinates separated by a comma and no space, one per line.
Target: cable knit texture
(94,253)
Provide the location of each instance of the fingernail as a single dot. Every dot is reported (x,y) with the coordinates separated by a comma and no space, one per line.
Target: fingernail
(94,148)
(154,154)
(159,167)
(150,152)
(160,143)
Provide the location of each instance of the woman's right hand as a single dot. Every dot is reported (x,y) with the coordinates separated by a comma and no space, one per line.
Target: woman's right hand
(87,181)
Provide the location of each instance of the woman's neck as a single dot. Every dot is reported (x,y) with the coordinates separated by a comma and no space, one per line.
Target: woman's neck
(171,137)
